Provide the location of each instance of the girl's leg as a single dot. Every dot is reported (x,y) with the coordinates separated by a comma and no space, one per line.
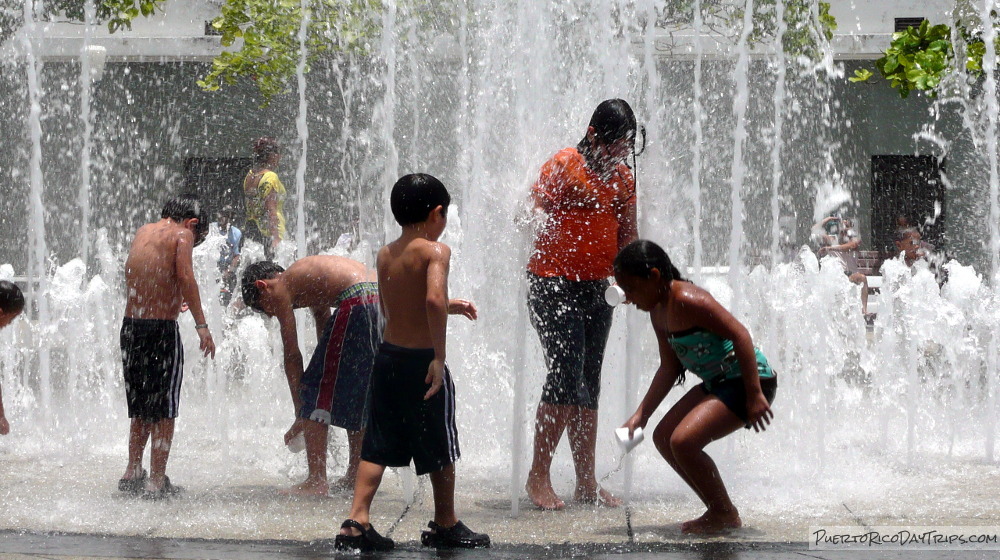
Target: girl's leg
(582,428)
(708,421)
(582,432)
(665,429)
(550,423)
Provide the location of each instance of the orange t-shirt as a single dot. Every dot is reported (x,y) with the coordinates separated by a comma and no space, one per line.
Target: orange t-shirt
(579,240)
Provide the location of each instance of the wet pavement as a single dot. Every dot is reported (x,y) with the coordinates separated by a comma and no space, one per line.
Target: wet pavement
(25,546)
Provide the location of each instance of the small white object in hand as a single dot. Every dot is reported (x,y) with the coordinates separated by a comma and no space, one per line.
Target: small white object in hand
(298,443)
(614,296)
(623,439)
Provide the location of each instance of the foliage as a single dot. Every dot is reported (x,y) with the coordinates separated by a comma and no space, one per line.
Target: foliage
(802,30)
(917,59)
(922,58)
(270,51)
(271,46)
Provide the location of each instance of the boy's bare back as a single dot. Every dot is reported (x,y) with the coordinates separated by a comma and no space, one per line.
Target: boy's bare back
(160,257)
(412,275)
(318,280)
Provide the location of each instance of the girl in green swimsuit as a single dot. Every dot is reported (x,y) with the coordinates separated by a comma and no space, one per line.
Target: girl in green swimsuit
(695,334)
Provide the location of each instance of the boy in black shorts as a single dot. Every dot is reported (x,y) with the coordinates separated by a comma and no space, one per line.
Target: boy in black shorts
(11,305)
(412,414)
(159,277)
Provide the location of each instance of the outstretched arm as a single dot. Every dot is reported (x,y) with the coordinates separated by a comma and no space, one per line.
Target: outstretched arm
(664,379)
(4,426)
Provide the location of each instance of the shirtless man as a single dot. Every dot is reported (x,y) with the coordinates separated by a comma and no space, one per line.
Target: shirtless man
(159,276)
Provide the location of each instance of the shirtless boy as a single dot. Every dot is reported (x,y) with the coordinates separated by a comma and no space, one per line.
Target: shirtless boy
(412,413)
(334,388)
(159,276)
(11,305)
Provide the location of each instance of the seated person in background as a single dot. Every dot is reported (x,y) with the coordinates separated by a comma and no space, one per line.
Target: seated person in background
(11,305)
(913,249)
(844,243)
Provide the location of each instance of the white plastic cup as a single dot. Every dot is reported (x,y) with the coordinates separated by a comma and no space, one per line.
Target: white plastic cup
(614,296)
(624,441)
(298,443)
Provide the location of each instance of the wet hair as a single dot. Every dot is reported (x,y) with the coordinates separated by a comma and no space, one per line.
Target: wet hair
(415,195)
(11,298)
(612,120)
(228,212)
(903,234)
(640,257)
(264,148)
(186,207)
(261,270)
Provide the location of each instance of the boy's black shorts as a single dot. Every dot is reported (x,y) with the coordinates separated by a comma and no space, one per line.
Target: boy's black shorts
(153,363)
(401,424)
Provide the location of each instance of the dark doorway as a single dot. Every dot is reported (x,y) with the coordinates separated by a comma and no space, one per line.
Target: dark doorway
(908,186)
(218,182)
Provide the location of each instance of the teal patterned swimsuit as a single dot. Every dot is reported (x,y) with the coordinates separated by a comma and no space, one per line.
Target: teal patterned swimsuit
(711,357)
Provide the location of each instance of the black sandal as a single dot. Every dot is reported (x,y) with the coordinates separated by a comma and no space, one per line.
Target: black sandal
(133,485)
(368,540)
(456,536)
(166,491)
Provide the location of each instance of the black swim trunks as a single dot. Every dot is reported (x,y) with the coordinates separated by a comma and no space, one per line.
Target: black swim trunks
(401,424)
(733,394)
(153,364)
(573,322)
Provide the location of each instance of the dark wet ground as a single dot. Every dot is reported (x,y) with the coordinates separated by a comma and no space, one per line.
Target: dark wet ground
(24,546)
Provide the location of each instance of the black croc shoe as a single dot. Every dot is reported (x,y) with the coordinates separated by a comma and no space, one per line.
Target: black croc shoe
(133,486)
(368,540)
(457,536)
(168,490)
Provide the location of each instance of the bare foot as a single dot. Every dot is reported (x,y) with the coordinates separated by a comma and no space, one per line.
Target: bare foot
(343,484)
(308,487)
(598,496)
(712,522)
(542,495)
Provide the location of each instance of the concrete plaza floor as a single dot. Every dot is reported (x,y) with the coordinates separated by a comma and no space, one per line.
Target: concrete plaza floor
(71,509)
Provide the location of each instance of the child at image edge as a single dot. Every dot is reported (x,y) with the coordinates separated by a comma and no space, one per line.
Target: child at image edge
(696,334)
(412,414)
(11,305)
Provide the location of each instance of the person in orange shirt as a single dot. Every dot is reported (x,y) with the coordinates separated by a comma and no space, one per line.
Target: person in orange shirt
(587,198)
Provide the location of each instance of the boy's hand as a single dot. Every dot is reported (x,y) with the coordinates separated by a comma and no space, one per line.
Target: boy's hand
(463,307)
(207,345)
(435,377)
(295,430)
(4,426)
(184,306)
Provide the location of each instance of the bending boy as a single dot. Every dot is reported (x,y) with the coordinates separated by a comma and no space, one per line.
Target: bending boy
(159,276)
(334,388)
(412,412)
